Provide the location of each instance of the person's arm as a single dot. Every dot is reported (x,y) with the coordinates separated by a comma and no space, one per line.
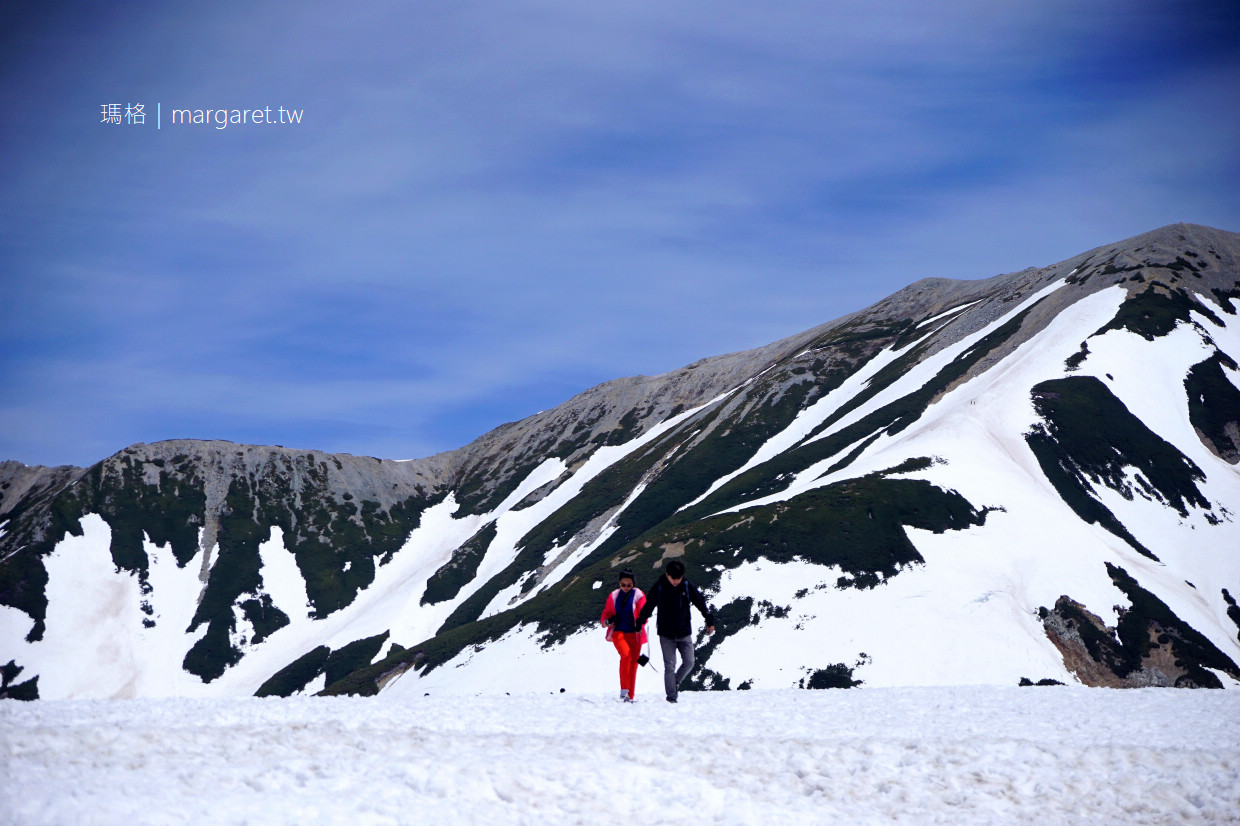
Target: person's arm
(651,601)
(695,596)
(609,608)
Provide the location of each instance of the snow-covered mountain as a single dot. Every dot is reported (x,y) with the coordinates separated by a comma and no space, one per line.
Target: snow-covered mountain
(1033,476)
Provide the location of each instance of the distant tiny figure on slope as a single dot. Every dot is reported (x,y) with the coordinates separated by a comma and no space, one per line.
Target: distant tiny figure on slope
(671,596)
(620,613)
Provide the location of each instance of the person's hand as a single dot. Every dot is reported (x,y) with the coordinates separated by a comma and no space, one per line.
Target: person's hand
(611,620)
(710,629)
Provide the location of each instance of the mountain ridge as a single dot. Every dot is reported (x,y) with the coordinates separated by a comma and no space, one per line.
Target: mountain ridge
(507,532)
(943,294)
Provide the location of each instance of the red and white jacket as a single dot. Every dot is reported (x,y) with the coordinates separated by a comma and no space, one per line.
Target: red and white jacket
(609,611)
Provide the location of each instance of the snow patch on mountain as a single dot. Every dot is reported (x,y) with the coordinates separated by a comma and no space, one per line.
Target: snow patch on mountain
(1131,366)
(98,641)
(951,312)
(281,577)
(390,604)
(926,370)
(809,419)
(564,566)
(517,663)
(949,622)
(962,396)
(514,525)
(990,414)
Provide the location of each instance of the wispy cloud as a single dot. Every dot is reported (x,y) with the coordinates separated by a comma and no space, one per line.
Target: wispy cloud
(490,207)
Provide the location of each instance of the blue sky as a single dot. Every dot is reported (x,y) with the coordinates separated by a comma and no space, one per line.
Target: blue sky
(489,207)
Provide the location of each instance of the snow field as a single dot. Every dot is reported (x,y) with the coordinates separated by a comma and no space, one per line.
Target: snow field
(907,755)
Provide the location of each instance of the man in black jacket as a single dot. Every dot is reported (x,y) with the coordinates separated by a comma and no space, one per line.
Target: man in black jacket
(671,595)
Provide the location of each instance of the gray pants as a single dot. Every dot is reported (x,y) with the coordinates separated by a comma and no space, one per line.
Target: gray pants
(673,676)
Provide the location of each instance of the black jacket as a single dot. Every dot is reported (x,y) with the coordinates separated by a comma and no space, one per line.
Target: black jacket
(673,604)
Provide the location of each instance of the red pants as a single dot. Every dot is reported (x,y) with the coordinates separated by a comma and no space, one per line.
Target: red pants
(630,648)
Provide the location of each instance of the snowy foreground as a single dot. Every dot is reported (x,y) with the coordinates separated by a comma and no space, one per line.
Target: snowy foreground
(945,755)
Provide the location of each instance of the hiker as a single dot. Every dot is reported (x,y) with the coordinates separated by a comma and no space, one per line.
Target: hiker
(620,618)
(671,595)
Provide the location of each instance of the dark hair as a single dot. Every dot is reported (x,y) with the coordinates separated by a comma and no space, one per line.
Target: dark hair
(675,569)
(627,573)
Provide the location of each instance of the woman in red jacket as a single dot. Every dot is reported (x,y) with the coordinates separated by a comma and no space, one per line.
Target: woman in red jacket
(620,618)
